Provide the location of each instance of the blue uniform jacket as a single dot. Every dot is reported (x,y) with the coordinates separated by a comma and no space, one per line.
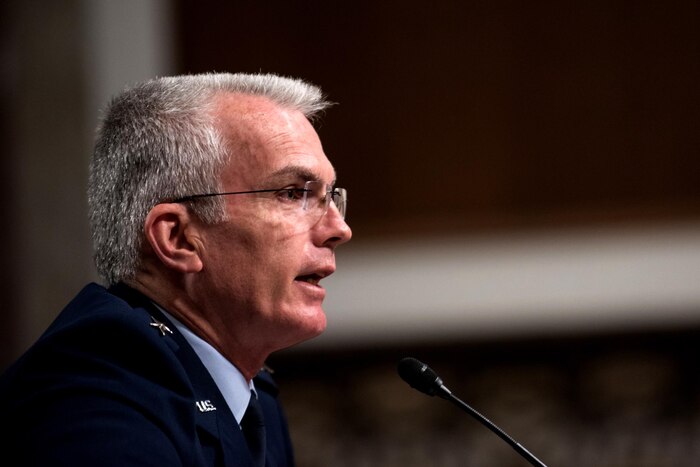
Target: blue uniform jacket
(104,387)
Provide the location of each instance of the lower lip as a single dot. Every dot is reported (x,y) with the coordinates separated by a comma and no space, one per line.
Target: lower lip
(313,289)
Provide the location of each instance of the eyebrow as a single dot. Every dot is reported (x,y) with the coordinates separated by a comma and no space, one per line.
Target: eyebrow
(299,173)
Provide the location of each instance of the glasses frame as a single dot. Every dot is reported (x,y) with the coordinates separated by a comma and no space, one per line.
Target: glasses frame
(331,193)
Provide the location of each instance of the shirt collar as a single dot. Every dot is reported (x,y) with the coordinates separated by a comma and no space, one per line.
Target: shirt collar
(230,381)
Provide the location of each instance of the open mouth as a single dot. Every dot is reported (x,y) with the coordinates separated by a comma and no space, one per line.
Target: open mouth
(312,279)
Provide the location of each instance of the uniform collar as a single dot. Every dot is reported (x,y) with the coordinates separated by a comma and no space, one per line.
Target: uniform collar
(230,381)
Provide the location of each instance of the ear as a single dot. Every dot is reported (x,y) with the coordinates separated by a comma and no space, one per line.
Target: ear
(171,231)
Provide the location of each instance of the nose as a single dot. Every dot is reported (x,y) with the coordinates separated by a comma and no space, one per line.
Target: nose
(332,230)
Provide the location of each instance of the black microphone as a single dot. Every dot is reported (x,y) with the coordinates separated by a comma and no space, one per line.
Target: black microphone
(421,377)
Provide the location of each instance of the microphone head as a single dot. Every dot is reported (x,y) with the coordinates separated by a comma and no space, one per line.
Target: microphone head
(419,376)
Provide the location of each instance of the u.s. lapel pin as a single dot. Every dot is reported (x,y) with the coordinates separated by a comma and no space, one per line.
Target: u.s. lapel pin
(161,326)
(205,406)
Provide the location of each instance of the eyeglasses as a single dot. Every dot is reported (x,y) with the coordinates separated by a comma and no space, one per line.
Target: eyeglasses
(314,198)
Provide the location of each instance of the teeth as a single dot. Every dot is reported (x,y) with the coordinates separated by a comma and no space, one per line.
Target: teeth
(311,280)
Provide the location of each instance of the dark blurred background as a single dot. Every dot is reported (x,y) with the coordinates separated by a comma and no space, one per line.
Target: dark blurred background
(524,194)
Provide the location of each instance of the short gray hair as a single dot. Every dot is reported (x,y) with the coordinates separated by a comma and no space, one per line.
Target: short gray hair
(158,141)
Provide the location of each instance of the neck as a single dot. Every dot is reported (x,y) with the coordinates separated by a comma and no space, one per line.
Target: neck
(174,298)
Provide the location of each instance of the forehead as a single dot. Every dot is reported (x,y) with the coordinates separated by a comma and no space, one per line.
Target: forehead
(268,143)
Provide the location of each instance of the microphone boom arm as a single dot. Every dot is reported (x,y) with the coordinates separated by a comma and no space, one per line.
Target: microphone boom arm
(447,395)
(422,378)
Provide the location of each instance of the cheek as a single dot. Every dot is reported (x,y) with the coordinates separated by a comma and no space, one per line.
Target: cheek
(261,250)
(270,253)
(282,243)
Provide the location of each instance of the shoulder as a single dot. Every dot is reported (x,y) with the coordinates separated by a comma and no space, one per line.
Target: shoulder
(98,341)
(92,306)
(104,325)
(100,380)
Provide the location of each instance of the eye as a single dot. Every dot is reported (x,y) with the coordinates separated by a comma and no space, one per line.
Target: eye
(291,194)
(335,194)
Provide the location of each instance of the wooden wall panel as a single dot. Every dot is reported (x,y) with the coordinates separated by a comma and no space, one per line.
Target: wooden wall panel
(465,115)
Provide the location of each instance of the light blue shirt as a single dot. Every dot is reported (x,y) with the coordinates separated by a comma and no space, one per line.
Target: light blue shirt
(229,380)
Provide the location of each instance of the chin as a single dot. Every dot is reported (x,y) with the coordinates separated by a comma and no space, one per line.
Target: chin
(317,326)
(299,323)
(312,326)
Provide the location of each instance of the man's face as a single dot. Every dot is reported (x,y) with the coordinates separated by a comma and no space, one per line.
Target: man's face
(262,265)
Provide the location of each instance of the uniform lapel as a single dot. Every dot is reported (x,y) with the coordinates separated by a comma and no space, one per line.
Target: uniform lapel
(213,417)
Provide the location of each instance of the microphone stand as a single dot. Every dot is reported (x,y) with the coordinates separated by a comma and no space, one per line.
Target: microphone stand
(446,394)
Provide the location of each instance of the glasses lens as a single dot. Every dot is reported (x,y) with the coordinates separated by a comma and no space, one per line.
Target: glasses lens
(340,199)
(317,198)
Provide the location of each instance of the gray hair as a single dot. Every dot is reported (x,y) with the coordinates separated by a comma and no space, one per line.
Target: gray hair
(158,141)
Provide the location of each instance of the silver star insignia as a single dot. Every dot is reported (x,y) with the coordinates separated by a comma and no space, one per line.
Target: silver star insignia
(161,326)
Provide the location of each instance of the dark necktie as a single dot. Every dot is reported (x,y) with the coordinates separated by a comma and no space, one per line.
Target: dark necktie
(253,426)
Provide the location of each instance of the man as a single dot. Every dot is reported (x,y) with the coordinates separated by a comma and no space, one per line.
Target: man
(215,216)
